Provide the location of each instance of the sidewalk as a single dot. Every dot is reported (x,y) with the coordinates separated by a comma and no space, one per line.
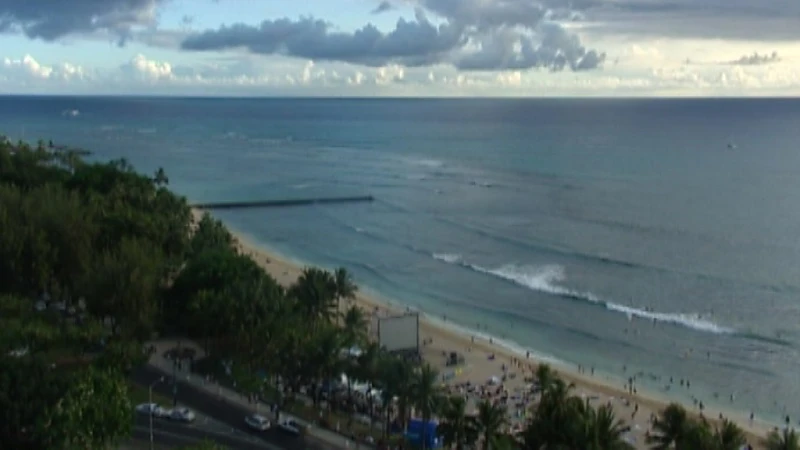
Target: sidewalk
(158,360)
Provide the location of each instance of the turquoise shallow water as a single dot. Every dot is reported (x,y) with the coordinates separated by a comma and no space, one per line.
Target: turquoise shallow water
(607,233)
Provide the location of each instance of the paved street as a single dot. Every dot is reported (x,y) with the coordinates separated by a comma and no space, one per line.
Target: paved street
(171,435)
(199,429)
(225,411)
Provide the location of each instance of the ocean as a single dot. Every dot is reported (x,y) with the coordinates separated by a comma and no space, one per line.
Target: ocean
(650,237)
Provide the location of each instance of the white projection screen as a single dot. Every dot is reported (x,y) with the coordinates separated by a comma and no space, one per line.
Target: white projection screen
(399,333)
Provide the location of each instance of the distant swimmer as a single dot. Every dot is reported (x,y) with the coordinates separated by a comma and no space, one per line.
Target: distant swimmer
(731,146)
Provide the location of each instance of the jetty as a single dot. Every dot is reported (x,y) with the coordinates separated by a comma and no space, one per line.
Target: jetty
(284,203)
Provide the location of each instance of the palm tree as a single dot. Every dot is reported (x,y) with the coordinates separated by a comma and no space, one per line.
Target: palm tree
(557,420)
(160,177)
(607,432)
(403,386)
(392,379)
(427,395)
(545,376)
(354,333)
(458,430)
(325,345)
(784,440)
(698,435)
(728,436)
(315,293)
(355,326)
(345,286)
(491,421)
(367,367)
(670,428)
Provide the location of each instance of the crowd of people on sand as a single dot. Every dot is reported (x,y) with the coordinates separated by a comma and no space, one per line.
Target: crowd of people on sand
(513,384)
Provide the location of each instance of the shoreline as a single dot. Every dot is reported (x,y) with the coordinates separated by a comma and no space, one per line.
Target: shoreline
(601,386)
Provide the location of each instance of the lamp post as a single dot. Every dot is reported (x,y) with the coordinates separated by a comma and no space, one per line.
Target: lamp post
(175,362)
(152,410)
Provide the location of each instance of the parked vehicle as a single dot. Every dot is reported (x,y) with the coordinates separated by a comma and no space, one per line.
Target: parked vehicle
(182,415)
(154,409)
(257,422)
(290,426)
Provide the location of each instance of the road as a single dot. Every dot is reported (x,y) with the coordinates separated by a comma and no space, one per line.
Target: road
(170,435)
(224,412)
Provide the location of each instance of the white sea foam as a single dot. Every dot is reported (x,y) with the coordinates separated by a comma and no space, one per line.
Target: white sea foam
(550,279)
(451,258)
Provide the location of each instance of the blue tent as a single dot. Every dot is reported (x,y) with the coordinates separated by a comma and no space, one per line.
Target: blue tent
(414,434)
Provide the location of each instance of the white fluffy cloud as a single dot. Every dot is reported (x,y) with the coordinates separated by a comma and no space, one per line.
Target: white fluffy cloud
(143,69)
(639,70)
(29,70)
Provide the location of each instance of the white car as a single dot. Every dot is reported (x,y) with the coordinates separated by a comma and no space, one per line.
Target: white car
(257,422)
(290,426)
(152,408)
(182,415)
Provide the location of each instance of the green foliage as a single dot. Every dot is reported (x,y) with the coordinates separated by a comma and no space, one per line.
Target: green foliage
(75,421)
(458,430)
(122,286)
(94,245)
(492,420)
(564,421)
(210,234)
(782,440)
(315,295)
(213,270)
(42,407)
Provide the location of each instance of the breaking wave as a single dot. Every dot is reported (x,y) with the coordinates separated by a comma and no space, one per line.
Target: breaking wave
(549,279)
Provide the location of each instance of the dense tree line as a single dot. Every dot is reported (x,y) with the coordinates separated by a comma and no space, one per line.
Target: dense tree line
(96,258)
(86,252)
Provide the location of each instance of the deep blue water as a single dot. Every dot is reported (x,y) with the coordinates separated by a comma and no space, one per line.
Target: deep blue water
(603,232)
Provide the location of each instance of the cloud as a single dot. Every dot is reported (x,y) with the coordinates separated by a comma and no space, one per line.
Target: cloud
(474,35)
(484,14)
(142,69)
(382,7)
(511,49)
(756,59)
(53,19)
(251,75)
(411,43)
(773,20)
(29,69)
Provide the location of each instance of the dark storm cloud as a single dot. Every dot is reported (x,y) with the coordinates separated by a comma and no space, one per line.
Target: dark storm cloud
(382,7)
(52,19)
(488,14)
(475,35)
(411,43)
(756,59)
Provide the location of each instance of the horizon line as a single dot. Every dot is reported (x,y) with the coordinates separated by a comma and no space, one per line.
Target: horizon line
(401,97)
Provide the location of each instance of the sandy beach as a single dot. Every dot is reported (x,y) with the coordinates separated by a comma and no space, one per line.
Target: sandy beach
(484,359)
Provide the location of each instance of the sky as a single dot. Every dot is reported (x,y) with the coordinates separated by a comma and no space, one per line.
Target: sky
(401,47)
